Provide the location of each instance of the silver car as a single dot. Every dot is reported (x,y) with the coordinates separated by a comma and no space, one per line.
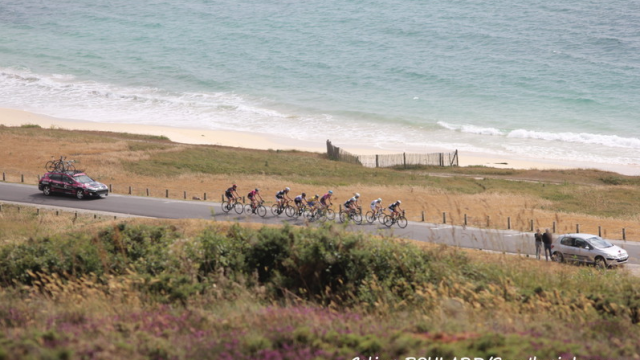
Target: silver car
(587,248)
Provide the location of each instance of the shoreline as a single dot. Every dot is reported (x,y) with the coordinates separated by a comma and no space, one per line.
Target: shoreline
(17,118)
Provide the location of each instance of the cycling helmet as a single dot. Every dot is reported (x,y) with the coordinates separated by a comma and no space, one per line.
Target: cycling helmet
(330,192)
(399,202)
(257,189)
(304,195)
(379,199)
(287,189)
(317,196)
(235,186)
(357,195)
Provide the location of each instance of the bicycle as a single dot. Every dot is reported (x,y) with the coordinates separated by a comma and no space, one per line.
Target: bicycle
(351,214)
(259,209)
(287,209)
(235,204)
(379,215)
(401,220)
(61,165)
(321,213)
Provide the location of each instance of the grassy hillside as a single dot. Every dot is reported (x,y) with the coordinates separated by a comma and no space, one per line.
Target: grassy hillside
(80,288)
(567,197)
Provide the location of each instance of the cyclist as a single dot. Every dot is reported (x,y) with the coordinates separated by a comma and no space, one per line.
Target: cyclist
(298,200)
(232,193)
(282,197)
(313,201)
(326,197)
(351,205)
(395,209)
(356,203)
(253,196)
(376,206)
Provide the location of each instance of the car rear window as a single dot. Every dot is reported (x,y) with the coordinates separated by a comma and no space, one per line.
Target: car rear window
(84,179)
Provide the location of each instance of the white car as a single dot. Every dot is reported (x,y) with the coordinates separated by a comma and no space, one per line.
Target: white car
(587,248)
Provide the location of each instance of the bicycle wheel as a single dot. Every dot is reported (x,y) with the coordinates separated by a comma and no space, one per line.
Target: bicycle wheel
(276,210)
(70,167)
(248,209)
(291,211)
(261,210)
(388,221)
(402,222)
(370,217)
(357,218)
(238,207)
(226,207)
(50,166)
(381,217)
(330,214)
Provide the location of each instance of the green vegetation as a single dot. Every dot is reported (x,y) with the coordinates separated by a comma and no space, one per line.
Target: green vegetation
(137,291)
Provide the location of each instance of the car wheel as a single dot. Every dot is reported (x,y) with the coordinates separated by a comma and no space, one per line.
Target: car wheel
(601,263)
(46,190)
(558,257)
(80,194)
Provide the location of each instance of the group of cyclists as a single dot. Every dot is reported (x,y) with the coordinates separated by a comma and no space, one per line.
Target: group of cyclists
(313,202)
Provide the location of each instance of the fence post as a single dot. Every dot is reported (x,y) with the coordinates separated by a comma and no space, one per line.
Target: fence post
(110,188)
(508,222)
(404,159)
(4,177)
(531,223)
(0,207)
(57,212)
(423,216)
(147,191)
(129,190)
(465,219)
(167,193)
(488,220)
(205,197)
(21,178)
(377,161)
(624,234)
(185,195)
(554,227)
(599,230)
(577,228)
(37,211)
(444,217)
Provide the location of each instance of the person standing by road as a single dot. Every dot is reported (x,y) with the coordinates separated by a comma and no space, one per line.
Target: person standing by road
(547,239)
(538,239)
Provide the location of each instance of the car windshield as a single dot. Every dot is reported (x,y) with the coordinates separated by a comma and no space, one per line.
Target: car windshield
(84,179)
(599,242)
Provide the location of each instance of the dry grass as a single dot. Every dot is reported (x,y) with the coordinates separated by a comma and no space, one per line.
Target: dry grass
(102,155)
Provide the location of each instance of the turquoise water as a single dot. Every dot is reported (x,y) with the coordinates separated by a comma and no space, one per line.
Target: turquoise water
(534,80)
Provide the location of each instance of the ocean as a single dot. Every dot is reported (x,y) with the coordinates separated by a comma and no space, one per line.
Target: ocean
(533,80)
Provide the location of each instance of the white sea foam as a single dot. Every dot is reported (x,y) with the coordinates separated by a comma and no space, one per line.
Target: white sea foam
(584,138)
(471,129)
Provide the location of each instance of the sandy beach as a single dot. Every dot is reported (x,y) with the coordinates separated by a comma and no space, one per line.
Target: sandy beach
(16,118)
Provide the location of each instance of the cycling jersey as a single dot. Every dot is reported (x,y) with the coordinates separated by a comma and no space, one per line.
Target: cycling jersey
(393,206)
(298,199)
(280,194)
(325,197)
(251,194)
(375,203)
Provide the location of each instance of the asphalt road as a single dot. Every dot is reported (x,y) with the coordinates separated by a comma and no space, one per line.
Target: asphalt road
(507,241)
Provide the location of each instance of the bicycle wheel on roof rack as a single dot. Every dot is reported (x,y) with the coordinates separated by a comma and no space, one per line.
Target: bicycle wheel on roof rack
(50,166)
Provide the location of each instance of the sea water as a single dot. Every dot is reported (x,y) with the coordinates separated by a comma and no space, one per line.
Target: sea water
(536,80)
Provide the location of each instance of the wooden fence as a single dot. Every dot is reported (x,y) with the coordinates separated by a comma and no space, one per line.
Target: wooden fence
(390,160)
